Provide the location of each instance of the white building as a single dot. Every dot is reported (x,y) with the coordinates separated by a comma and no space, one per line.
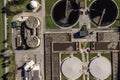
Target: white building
(34,4)
(32,71)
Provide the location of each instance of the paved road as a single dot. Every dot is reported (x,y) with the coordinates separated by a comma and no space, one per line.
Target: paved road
(5,23)
(84,19)
(5,28)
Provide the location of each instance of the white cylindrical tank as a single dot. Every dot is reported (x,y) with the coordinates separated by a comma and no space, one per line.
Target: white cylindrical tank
(33,4)
(72,68)
(100,68)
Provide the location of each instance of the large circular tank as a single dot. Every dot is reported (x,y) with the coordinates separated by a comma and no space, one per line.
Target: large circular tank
(65,13)
(32,22)
(103,12)
(71,68)
(100,68)
(33,41)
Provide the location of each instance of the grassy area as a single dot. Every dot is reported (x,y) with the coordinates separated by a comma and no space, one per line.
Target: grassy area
(93,26)
(2,70)
(64,78)
(48,6)
(2,64)
(1,26)
(76,26)
(109,78)
(118,4)
(78,55)
(91,55)
(12,68)
(21,7)
(85,45)
(80,78)
(9,31)
(50,24)
(107,55)
(89,2)
(63,56)
(115,25)
(92,78)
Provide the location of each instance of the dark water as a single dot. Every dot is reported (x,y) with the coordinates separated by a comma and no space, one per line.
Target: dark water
(76,35)
(59,10)
(96,9)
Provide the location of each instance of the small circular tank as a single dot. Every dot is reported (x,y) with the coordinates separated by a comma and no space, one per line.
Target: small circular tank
(32,22)
(33,41)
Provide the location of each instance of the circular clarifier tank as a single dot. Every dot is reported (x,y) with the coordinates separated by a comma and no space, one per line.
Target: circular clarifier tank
(100,68)
(71,68)
(65,13)
(103,12)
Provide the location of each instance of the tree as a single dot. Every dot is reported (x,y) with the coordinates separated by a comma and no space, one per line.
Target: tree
(4,10)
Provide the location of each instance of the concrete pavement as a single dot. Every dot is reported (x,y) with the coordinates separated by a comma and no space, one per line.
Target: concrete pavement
(6,33)
(5,23)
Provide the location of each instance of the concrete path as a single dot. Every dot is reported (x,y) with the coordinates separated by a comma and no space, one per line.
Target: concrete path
(84,19)
(5,23)
(5,28)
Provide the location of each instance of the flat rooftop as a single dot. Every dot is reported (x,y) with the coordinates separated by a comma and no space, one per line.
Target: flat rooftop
(36,75)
